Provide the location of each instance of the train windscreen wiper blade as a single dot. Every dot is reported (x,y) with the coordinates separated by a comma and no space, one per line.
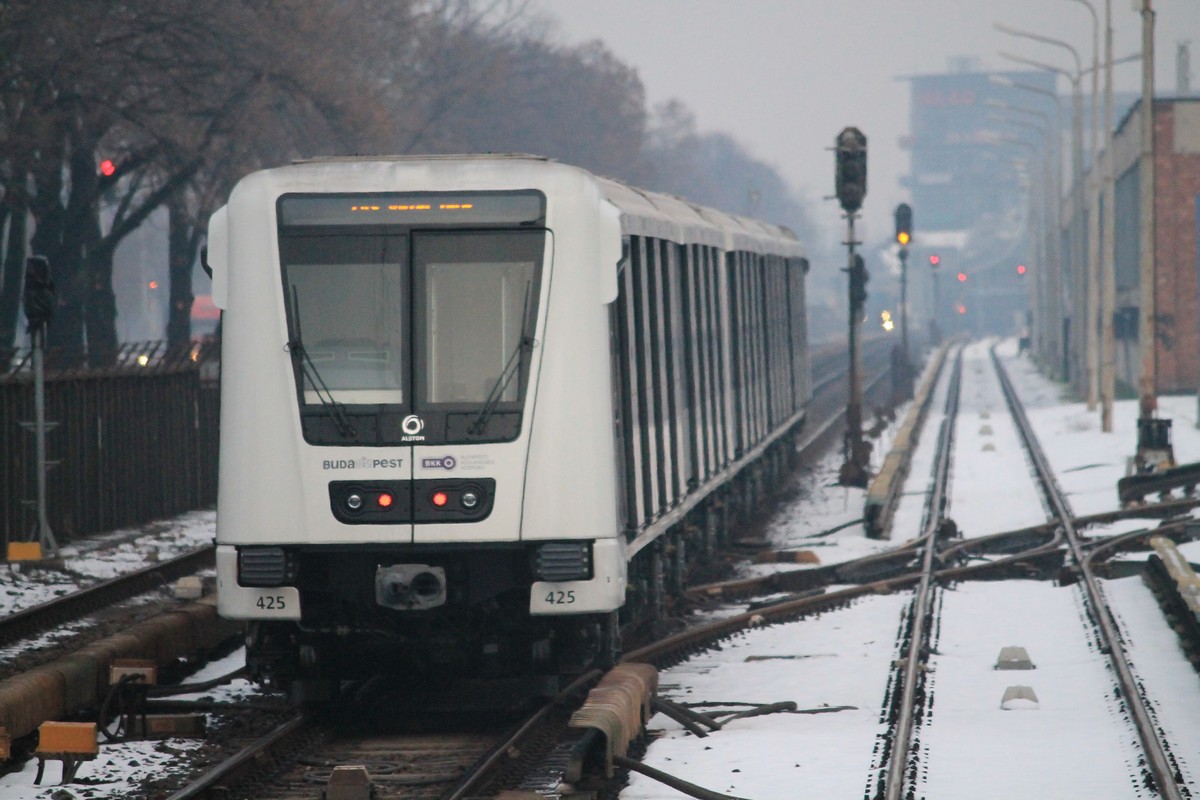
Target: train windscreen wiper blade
(511,367)
(309,372)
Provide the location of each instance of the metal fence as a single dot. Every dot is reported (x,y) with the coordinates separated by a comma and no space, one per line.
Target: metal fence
(136,439)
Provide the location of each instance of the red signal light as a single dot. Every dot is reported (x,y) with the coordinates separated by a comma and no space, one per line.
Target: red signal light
(440,499)
(962,309)
(962,277)
(935,260)
(108,168)
(1020,269)
(385,500)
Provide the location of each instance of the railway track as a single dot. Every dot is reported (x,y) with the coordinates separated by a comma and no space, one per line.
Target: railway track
(1160,770)
(47,616)
(905,755)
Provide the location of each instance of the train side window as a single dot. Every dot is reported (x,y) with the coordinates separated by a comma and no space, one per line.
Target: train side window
(701,342)
(718,269)
(645,400)
(632,420)
(681,338)
(656,308)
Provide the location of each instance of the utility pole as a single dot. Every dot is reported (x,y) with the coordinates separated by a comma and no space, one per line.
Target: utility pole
(1154,450)
(850,184)
(1108,283)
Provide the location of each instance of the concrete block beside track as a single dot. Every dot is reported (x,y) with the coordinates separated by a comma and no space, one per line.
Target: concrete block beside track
(73,684)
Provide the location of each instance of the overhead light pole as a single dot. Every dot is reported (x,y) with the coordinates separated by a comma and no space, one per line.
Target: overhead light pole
(1053,352)
(1081,339)
(1094,264)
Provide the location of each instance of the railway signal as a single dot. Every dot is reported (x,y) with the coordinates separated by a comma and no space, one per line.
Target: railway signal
(903,224)
(858,284)
(850,176)
(850,185)
(39,296)
(39,299)
(903,383)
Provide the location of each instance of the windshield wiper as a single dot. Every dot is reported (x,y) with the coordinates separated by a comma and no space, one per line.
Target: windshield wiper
(511,367)
(308,371)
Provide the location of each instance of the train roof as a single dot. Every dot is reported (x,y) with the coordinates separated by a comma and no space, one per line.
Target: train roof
(645,213)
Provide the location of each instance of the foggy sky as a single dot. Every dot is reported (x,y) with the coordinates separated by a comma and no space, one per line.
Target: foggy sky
(784,76)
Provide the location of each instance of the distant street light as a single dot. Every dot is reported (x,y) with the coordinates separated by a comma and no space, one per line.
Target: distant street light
(1050,338)
(1082,340)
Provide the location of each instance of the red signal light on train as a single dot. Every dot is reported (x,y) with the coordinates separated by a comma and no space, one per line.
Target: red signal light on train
(962,277)
(385,500)
(108,168)
(1020,269)
(440,499)
(935,260)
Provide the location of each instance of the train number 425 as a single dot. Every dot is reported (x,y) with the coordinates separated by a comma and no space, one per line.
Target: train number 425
(560,598)
(271,602)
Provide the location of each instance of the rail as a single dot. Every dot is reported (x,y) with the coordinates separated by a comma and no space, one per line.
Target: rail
(1157,760)
(918,649)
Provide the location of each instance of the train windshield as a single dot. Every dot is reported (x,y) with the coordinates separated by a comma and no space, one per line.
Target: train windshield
(348,304)
(418,334)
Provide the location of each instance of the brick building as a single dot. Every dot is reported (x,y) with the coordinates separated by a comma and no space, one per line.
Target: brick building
(1177,255)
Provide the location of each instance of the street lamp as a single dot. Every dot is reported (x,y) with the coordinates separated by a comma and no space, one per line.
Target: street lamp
(1082,338)
(1053,278)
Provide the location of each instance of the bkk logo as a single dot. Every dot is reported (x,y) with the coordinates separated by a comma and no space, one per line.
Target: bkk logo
(445,462)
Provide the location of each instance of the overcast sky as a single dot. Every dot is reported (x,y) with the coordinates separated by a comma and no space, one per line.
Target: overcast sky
(784,76)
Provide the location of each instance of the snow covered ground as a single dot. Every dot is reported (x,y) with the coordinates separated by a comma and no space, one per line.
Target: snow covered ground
(1072,744)
(97,559)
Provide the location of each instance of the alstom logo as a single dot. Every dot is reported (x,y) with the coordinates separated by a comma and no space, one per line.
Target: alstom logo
(412,427)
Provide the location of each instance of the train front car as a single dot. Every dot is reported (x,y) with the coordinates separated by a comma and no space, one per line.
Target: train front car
(416,425)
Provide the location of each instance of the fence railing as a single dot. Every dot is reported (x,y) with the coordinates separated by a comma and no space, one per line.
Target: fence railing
(136,438)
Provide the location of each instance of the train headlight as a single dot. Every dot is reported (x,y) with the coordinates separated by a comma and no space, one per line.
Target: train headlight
(563,561)
(470,498)
(354,501)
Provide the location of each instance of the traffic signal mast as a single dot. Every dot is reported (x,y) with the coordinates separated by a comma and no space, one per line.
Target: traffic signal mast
(39,299)
(850,186)
(902,378)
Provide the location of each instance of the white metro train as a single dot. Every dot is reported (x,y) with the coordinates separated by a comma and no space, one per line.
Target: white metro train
(481,412)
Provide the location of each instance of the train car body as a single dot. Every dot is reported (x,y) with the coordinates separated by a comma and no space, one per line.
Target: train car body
(465,399)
